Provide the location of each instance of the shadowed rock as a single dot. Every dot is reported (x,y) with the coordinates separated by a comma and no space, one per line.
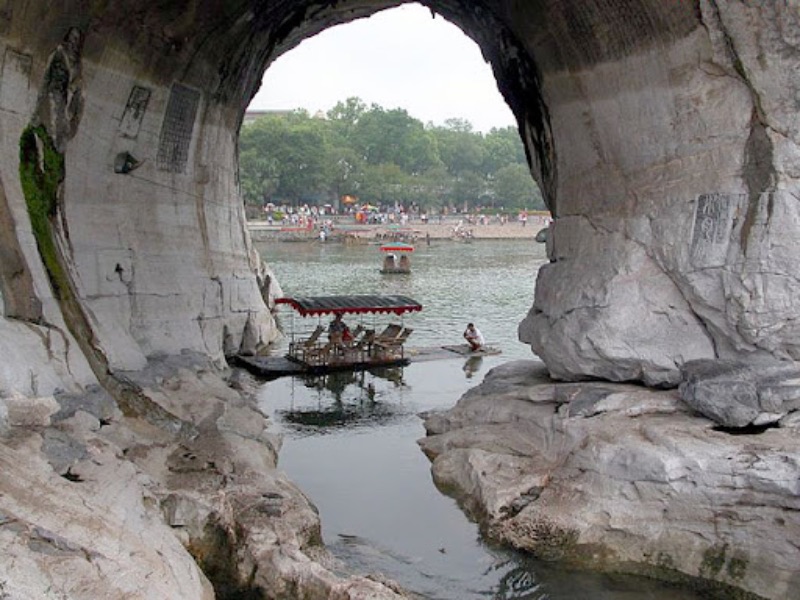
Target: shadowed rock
(736,394)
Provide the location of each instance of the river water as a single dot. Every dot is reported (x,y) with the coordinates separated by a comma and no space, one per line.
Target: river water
(350,438)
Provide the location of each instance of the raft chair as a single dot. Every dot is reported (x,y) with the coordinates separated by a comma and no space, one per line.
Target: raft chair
(349,348)
(389,334)
(354,335)
(300,349)
(393,348)
(319,354)
(364,345)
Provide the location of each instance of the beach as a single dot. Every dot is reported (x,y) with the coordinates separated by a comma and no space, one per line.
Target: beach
(449,228)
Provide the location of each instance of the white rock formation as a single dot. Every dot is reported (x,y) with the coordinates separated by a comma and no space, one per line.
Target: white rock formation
(665,136)
(677,190)
(625,321)
(95,503)
(78,540)
(622,478)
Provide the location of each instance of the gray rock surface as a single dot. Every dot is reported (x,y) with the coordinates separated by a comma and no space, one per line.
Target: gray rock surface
(605,309)
(96,502)
(676,210)
(665,138)
(737,394)
(621,478)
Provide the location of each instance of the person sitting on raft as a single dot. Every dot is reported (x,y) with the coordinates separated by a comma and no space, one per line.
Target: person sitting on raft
(338,331)
(474,337)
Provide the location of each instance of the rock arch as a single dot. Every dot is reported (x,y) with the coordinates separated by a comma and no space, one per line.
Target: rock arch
(662,135)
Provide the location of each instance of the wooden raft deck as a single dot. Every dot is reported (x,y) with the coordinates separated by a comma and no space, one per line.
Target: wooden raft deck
(279,366)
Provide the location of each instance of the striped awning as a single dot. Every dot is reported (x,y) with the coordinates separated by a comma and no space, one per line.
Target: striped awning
(321,305)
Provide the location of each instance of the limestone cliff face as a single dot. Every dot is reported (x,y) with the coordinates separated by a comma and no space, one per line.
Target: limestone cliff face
(664,135)
(120,205)
(676,193)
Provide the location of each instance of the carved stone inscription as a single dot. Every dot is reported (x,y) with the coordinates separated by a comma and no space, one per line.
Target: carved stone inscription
(134,112)
(177,128)
(713,221)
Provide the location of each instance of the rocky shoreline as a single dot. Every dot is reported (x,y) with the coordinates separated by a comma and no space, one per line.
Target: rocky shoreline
(601,475)
(196,498)
(623,478)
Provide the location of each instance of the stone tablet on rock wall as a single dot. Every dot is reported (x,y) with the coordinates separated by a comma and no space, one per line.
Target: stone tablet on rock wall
(15,80)
(177,128)
(713,222)
(134,112)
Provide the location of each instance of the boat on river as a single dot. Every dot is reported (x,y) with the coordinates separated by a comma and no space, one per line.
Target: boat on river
(322,349)
(396,258)
(337,347)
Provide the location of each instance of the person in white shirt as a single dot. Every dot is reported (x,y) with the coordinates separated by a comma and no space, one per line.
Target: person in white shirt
(474,337)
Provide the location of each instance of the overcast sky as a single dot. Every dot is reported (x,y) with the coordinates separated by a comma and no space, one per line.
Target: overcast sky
(399,58)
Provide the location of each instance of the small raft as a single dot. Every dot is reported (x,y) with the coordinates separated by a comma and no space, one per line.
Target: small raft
(465,350)
(272,367)
(359,349)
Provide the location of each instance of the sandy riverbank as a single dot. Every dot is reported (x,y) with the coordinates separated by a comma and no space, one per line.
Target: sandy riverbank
(260,230)
(492,231)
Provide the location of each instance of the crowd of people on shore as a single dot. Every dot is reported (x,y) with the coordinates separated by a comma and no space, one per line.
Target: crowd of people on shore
(312,216)
(395,223)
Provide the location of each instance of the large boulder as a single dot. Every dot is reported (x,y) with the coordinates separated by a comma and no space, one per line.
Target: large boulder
(618,477)
(606,310)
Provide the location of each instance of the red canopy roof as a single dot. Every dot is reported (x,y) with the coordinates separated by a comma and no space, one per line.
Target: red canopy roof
(397,247)
(320,305)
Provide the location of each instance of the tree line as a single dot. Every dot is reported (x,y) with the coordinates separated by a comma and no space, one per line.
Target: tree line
(382,157)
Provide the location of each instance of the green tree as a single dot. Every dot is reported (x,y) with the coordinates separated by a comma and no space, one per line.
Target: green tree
(469,190)
(346,114)
(392,136)
(433,188)
(515,188)
(259,176)
(346,171)
(383,156)
(502,147)
(460,149)
(385,184)
(289,156)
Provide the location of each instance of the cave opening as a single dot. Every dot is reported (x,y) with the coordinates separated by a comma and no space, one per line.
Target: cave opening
(358,114)
(399,111)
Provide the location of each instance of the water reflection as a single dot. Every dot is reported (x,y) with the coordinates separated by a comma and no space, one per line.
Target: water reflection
(472,365)
(350,438)
(345,400)
(517,582)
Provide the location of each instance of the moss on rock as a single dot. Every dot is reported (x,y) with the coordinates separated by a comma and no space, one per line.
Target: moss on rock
(41,172)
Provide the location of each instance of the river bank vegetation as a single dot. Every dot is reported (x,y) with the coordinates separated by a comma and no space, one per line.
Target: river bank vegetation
(384,157)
